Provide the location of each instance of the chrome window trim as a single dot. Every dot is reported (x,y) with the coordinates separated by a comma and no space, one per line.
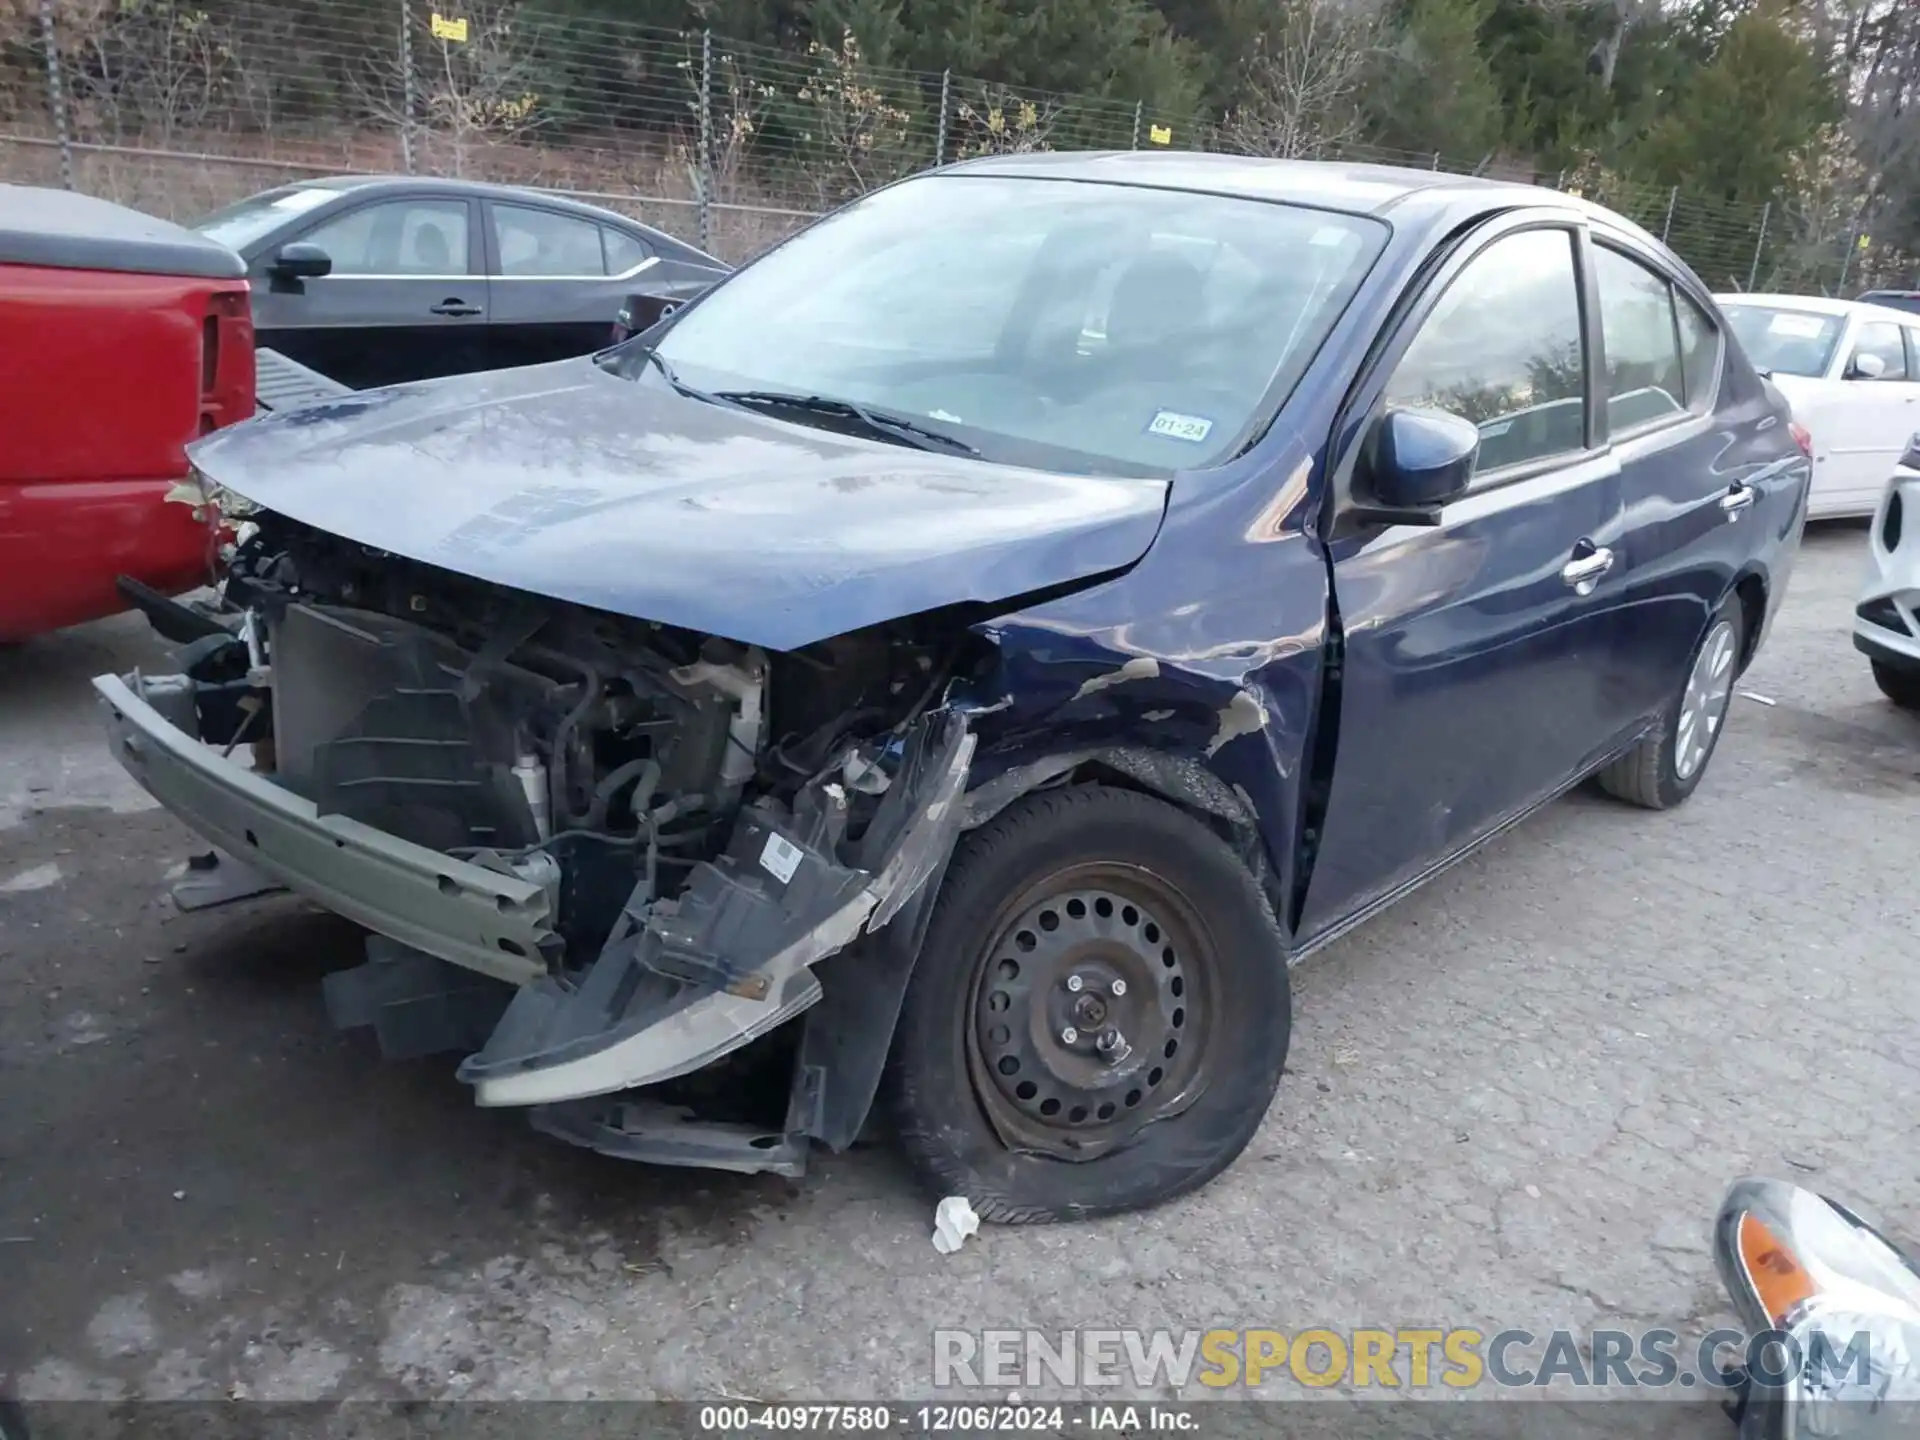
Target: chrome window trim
(646,264)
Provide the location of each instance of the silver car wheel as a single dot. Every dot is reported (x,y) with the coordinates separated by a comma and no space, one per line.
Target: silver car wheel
(1704,705)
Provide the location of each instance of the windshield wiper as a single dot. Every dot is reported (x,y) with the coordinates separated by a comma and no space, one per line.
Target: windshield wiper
(893,427)
(692,392)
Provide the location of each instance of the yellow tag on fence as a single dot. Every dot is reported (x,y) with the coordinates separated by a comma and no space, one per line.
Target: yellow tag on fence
(1160,134)
(445,29)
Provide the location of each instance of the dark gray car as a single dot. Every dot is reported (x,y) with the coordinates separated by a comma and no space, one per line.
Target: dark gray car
(374,280)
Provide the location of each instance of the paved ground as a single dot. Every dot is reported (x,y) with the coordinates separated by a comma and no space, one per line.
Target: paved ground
(1515,1101)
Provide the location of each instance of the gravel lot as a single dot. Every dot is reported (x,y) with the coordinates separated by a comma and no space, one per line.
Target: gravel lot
(1515,1101)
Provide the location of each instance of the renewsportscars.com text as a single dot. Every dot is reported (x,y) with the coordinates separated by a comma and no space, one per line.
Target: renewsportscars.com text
(1409,1358)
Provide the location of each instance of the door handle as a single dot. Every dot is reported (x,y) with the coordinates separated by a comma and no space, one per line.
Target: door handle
(453,305)
(1736,500)
(1584,572)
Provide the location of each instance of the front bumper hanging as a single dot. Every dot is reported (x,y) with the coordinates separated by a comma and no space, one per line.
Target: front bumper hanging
(678,984)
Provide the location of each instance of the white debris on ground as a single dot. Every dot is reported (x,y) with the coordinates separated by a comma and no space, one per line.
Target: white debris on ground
(953,1221)
(40,877)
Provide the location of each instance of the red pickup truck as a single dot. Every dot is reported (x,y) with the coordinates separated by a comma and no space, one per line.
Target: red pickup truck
(122,339)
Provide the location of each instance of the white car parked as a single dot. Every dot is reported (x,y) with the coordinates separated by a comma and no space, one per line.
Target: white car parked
(1886,623)
(1851,372)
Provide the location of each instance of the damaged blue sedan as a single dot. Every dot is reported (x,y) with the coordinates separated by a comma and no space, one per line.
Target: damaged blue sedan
(965,657)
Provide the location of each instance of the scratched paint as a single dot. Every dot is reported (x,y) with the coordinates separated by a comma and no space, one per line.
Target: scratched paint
(1140,668)
(1242,715)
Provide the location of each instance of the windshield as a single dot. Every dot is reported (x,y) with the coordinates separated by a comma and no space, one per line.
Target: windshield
(1785,342)
(238,226)
(1064,325)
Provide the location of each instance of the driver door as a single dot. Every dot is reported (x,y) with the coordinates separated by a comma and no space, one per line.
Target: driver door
(406,300)
(1872,418)
(1476,649)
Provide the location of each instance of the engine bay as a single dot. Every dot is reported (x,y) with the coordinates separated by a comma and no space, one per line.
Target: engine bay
(673,828)
(481,722)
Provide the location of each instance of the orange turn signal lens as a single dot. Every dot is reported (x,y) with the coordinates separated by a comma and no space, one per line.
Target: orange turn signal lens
(1778,1278)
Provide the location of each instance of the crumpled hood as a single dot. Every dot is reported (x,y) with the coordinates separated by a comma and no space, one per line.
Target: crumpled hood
(565,481)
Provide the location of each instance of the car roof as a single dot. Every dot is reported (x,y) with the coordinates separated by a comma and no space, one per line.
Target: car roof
(1819,305)
(476,189)
(1358,189)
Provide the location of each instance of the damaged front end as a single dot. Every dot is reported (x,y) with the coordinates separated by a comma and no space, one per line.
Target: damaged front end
(597,853)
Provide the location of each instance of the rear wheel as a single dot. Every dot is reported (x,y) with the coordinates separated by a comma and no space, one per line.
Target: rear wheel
(1098,1019)
(1664,768)
(1899,683)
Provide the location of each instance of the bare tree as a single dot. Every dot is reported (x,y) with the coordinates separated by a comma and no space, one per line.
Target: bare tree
(1303,81)
(149,69)
(474,82)
(854,132)
(996,121)
(1604,58)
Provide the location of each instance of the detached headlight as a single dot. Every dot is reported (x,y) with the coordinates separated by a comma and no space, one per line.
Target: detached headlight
(1845,1300)
(1859,1375)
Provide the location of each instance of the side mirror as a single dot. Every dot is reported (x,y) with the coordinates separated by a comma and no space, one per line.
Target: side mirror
(644,310)
(1866,367)
(302,261)
(1417,461)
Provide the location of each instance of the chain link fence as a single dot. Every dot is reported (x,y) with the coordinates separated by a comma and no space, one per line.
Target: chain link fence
(177,110)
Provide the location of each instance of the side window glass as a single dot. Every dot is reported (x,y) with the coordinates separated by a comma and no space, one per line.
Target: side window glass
(623,251)
(1644,379)
(541,243)
(1699,355)
(1503,349)
(398,237)
(1881,338)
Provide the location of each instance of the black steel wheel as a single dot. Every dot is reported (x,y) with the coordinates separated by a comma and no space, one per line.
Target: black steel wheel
(1092,1000)
(1100,1013)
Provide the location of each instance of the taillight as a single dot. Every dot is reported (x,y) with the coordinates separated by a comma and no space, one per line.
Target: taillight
(1801,437)
(226,360)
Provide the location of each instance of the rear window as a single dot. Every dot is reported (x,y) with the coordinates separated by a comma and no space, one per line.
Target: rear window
(1782,341)
(238,226)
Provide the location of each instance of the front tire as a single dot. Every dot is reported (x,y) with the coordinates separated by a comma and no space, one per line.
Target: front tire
(1899,683)
(1103,978)
(1666,767)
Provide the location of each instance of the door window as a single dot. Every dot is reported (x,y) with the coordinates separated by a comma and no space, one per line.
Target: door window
(1503,349)
(1699,355)
(1882,338)
(623,251)
(1645,380)
(544,244)
(398,237)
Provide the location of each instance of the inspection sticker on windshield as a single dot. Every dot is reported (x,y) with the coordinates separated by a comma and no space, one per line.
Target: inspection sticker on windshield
(1175,426)
(780,858)
(1801,327)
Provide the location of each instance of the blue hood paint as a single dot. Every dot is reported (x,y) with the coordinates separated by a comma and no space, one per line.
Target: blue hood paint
(564,481)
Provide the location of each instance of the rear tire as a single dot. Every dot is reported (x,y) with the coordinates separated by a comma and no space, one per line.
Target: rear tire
(1666,767)
(1899,683)
(1043,910)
